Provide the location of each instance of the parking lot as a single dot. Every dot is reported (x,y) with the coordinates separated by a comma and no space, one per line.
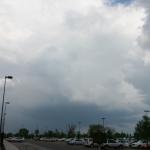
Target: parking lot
(41,145)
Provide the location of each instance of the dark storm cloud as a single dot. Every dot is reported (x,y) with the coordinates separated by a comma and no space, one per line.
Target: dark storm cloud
(58,116)
(69,66)
(139,77)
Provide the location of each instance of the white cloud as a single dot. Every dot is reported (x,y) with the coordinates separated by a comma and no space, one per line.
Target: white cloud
(77,49)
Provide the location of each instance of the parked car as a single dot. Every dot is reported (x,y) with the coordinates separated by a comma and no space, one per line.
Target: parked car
(15,139)
(36,138)
(90,143)
(76,142)
(112,144)
(48,139)
(145,145)
(68,140)
(140,144)
(124,142)
(61,139)
(44,139)
(52,139)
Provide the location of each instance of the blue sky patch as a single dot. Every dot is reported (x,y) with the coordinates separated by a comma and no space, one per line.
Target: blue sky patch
(121,1)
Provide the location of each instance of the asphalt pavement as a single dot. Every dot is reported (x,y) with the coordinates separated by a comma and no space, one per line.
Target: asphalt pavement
(40,145)
(29,146)
(9,146)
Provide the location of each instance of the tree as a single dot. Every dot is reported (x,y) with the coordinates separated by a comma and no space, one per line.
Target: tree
(23,132)
(9,134)
(110,133)
(97,132)
(121,135)
(142,129)
(50,134)
(31,135)
(62,134)
(56,133)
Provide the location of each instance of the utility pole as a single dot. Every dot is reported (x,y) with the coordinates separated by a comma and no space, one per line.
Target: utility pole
(79,124)
(4,117)
(103,119)
(2,110)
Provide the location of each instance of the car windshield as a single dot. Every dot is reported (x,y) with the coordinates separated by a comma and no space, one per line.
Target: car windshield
(112,141)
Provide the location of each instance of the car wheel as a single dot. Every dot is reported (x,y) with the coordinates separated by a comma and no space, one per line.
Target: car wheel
(121,147)
(91,145)
(106,147)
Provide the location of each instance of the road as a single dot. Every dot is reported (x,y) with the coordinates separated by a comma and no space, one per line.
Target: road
(38,145)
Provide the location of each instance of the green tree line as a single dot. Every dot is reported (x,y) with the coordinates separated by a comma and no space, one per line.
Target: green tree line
(95,131)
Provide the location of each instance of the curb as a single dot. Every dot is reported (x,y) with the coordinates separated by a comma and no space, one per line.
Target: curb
(9,146)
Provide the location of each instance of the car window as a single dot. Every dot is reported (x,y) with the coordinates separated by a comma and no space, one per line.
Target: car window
(112,141)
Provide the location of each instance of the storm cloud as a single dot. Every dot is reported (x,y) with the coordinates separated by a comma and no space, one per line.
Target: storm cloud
(74,61)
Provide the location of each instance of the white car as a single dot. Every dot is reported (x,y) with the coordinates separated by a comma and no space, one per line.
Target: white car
(88,142)
(139,144)
(15,139)
(112,144)
(61,139)
(125,143)
(79,142)
(68,140)
(48,139)
(76,142)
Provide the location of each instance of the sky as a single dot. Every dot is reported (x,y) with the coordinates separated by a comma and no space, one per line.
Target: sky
(121,1)
(75,61)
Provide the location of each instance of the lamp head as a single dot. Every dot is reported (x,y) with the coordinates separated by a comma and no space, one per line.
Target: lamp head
(9,77)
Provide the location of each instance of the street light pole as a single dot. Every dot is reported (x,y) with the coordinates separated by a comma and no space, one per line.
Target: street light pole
(2,113)
(104,135)
(3,126)
(103,119)
(2,110)
(79,123)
